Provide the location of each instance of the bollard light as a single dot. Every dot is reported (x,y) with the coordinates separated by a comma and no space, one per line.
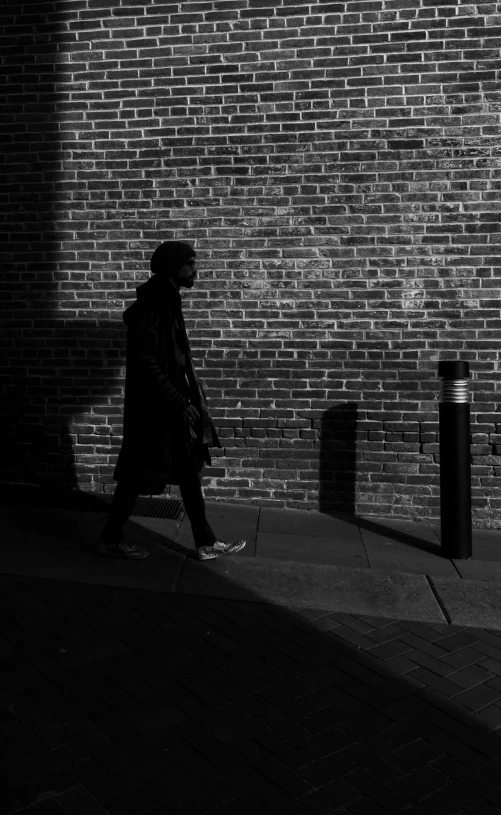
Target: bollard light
(455,461)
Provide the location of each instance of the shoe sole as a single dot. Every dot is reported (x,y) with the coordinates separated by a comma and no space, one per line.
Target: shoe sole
(103,549)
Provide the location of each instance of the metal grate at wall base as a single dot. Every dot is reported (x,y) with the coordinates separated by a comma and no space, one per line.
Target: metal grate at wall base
(158,508)
(76,501)
(145,507)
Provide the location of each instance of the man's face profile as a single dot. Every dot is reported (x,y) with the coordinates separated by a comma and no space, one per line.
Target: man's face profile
(185,275)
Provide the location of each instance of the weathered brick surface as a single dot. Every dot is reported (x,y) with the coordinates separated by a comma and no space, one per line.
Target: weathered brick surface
(337,167)
(216,707)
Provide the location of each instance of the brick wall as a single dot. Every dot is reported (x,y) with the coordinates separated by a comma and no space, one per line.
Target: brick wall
(336,165)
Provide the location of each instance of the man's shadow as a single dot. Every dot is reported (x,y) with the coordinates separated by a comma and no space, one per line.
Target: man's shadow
(63,417)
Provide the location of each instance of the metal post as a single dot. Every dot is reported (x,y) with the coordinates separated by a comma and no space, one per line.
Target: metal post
(455,462)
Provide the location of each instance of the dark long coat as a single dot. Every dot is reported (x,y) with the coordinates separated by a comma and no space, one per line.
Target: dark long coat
(160,383)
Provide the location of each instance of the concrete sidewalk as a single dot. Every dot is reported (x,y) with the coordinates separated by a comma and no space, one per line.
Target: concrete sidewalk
(293,558)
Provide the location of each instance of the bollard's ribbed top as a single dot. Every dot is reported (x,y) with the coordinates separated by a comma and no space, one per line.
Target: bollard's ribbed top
(454,369)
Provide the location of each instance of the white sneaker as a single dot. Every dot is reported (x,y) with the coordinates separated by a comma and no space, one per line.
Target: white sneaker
(219,549)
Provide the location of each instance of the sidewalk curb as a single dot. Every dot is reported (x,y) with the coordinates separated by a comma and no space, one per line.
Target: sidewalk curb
(453,600)
(61,546)
(311,585)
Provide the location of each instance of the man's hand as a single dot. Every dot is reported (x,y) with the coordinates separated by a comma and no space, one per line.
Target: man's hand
(190,416)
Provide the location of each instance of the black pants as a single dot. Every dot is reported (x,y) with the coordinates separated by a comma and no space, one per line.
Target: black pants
(190,486)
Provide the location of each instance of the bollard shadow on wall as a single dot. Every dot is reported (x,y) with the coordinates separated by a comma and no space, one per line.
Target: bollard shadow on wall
(338,476)
(337,465)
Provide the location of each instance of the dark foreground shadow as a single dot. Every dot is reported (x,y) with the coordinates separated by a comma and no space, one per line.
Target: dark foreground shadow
(141,701)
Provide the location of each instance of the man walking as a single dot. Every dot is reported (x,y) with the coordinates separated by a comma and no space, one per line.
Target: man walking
(167,427)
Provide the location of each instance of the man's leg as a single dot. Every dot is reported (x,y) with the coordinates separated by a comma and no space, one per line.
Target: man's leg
(190,485)
(121,507)
(112,537)
(207,545)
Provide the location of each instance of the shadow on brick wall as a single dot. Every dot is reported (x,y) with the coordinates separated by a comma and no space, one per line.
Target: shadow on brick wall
(54,369)
(45,372)
(337,471)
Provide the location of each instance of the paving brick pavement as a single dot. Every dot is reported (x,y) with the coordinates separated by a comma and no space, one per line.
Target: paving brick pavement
(121,701)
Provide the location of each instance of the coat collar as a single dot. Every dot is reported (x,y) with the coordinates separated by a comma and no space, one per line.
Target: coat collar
(160,293)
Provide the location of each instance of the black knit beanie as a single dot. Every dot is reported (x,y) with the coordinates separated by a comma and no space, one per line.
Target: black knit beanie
(170,256)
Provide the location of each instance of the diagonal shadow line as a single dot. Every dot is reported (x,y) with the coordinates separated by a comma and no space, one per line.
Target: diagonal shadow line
(161,538)
(386,531)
